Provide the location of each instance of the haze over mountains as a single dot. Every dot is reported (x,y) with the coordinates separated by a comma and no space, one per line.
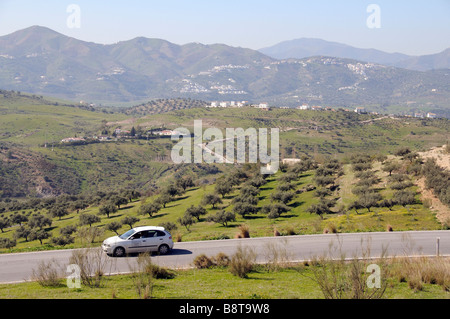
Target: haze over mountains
(41,61)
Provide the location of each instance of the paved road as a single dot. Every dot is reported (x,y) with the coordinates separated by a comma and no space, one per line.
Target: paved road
(18,267)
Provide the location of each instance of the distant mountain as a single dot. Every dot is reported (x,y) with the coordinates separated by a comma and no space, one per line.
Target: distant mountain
(305,47)
(40,61)
(427,62)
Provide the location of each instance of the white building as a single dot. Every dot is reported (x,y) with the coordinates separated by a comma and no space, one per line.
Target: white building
(360,110)
(431,116)
(304,107)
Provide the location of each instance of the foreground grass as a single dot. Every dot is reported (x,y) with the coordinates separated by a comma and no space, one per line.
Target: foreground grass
(216,283)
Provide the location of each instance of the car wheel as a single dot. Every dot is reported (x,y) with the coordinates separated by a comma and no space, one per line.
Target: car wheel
(163,249)
(119,252)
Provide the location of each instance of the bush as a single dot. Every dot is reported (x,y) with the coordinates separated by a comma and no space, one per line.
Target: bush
(244,231)
(242,262)
(48,274)
(203,262)
(221,260)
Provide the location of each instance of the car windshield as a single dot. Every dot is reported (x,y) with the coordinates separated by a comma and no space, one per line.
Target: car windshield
(127,234)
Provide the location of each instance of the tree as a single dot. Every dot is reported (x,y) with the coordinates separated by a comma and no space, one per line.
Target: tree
(244,209)
(196,212)
(114,227)
(173,190)
(7,243)
(321,208)
(223,188)
(23,232)
(58,211)
(130,194)
(62,240)
(4,223)
(185,182)
(39,235)
(390,167)
(211,199)
(222,217)
(404,198)
(89,219)
(368,200)
(119,201)
(39,221)
(68,230)
(249,190)
(133,132)
(18,219)
(150,209)
(283,197)
(186,221)
(274,211)
(130,221)
(107,209)
(164,199)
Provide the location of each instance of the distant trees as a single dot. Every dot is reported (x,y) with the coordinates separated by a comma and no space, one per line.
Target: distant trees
(222,217)
(196,212)
(186,221)
(39,221)
(130,221)
(89,219)
(149,209)
(108,209)
(59,212)
(114,227)
(211,199)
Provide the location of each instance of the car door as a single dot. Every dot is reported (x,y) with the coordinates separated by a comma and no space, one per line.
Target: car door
(151,240)
(137,242)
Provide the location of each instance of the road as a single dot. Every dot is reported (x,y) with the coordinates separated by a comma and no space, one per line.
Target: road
(16,268)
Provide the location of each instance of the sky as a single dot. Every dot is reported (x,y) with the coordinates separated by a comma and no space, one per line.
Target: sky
(411,27)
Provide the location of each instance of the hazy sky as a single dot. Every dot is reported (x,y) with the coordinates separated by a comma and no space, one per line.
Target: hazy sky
(412,27)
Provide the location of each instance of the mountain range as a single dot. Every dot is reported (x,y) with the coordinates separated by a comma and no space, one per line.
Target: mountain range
(41,61)
(305,47)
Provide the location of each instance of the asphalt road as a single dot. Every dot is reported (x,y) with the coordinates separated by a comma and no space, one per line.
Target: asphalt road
(19,267)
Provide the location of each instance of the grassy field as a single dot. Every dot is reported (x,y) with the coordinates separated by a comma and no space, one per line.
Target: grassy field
(294,282)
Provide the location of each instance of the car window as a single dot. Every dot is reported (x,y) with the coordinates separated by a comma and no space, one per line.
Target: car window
(127,234)
(161,233)
(137,235)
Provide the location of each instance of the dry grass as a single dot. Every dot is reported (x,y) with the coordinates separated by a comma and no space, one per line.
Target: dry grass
(419,271)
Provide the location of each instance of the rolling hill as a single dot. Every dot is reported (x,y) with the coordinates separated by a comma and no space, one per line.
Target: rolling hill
(41,61)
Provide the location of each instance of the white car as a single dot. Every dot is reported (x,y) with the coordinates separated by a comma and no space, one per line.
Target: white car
(139,240)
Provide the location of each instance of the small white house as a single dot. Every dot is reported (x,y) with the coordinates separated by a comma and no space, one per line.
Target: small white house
(431,116)
(360,110)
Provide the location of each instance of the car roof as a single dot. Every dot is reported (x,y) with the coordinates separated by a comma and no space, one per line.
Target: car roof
(148,228)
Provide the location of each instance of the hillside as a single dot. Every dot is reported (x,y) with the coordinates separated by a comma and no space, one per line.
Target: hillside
(34,162)
(41,61)
(292,202)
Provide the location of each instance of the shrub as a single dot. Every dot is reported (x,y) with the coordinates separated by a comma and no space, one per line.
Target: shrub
(221,260)
(92,263)
(48,274)
(242,262)
(244,231)
(203,262)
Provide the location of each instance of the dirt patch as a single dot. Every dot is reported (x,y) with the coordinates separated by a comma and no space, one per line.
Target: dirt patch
(442,159)
(438,153)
